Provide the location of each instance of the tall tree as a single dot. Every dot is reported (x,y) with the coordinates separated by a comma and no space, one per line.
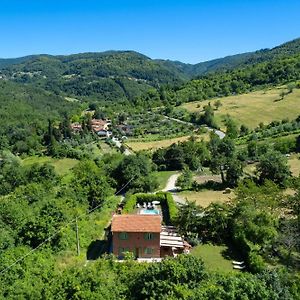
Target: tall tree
(273,166)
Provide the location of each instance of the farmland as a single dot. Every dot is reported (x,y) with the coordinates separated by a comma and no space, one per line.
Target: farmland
(252,108)
(153,145)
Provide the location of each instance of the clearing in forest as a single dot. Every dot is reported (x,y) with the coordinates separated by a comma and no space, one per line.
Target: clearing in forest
(252,108)
(153,145)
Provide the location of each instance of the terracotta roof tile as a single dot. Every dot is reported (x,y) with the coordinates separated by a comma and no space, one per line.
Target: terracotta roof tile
(136,223)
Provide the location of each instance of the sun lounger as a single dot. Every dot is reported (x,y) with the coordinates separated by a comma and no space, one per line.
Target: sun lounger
(239,267)
(239,263)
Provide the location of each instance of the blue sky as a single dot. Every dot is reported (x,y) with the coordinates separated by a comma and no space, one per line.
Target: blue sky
(189,31)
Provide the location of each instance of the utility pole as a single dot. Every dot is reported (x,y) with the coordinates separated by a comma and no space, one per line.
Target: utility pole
(77,238)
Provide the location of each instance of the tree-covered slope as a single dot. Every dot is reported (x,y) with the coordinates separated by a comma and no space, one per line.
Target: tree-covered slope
(112,75)
(275,71)
(25,110)
(235,61)
(128,75)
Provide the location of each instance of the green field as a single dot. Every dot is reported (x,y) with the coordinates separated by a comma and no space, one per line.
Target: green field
(214,257)
(206,197)
(252,108)
(294,163)
(62,166)
(153,145)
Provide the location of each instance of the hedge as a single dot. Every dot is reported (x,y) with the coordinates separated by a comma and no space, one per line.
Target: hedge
(168,205)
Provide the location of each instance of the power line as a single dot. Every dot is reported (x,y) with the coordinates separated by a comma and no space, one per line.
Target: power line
(59,230)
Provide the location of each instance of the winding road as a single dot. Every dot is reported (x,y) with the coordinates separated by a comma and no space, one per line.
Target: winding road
(219,133)
(171,187)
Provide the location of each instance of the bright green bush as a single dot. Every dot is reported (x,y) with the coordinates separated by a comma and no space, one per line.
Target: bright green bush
(168,205)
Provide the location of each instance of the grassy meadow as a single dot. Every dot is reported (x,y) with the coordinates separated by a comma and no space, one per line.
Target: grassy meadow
(153,145)
(252,108)
(214,257)
(206,197)
(294,163)
(61,166)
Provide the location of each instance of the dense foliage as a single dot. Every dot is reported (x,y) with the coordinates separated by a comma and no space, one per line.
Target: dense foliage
(40,208)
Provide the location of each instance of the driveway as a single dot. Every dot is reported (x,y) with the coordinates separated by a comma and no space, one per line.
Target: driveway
(171,187)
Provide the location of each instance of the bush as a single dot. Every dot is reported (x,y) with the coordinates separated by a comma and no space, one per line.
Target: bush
(130,203)
(173,210)
(255,262)
(168,205)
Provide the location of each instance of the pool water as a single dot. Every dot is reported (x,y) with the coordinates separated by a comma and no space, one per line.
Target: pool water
(149,212)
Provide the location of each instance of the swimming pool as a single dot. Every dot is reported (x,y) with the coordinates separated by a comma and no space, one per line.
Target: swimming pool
(149,212)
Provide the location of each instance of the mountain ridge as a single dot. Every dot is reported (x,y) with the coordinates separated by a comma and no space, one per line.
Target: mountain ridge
(185,70)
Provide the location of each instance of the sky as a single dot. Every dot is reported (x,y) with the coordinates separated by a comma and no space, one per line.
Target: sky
(188,31)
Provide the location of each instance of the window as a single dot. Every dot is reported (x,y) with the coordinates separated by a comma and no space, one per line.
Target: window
(122,250)
(148,250)
(148,236)
(123,236)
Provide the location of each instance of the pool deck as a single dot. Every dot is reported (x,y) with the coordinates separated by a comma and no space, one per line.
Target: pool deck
(141,210)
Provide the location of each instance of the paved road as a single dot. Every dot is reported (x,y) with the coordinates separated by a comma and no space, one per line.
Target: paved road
(171,187)
(220,133)
(179,121)
(119,144)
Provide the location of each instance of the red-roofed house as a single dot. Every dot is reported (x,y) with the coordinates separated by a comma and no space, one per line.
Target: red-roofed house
(139,234)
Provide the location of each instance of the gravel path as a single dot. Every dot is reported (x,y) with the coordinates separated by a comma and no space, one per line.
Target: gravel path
(171,187)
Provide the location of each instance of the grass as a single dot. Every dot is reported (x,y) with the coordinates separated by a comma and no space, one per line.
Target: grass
(213,257)
(252,108)
(61,166)
(294,163)
(162,178)
(206,197)
(71,99)
(105,148)
(153,145)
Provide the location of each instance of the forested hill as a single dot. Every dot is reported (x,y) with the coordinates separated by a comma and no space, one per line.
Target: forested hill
(24,113)
(235,61)
(124,76)
(112,75)
(278,66)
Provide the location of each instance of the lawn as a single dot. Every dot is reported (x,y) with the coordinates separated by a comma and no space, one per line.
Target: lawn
(252,108)
(206,197)
(162,178)
(153,145)
(294,163)
(213,257)
(62,166)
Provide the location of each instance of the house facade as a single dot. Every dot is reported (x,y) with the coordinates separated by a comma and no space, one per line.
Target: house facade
(139,234)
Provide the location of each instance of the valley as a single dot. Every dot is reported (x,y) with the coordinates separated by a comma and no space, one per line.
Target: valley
(207,152)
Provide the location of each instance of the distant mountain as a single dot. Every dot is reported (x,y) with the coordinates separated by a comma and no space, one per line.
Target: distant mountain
(234,61)
(261,69)
(6,62)
(111,75)
(123,75)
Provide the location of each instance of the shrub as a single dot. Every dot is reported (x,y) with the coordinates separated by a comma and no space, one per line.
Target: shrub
(168,205)
(255,262)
